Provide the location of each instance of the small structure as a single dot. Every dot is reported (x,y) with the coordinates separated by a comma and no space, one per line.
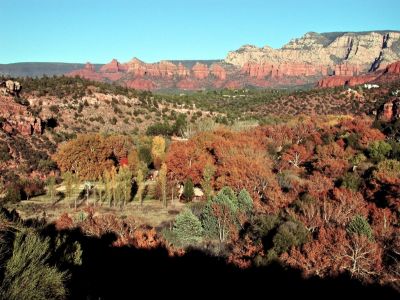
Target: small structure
(198,192)
(371,86)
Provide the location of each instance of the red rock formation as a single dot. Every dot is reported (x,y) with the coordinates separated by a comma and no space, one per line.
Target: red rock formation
(137,67)
(113,67)
(188,84)
(182,71)
(87,72)
(141,84)
(347,70)
(261,71)
(393,68)
(361,79)
(218,71)
(390,73)
(390,111)
(200,71)
(333,81)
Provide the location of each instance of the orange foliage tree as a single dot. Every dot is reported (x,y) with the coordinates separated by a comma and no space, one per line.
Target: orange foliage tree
(89,155)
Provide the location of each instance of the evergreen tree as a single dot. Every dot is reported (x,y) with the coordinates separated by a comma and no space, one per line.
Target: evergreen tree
(188,190)
(188,228)
(359,225)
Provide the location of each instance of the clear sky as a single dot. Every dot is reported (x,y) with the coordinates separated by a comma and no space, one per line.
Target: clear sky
(99,30)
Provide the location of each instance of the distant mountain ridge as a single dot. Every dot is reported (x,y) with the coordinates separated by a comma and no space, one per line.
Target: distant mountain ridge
(304,60)
(37,69)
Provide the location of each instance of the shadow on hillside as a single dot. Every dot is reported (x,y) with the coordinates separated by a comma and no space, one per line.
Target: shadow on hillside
(127,273)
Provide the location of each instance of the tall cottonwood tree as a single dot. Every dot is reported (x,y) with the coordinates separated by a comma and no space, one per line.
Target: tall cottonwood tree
(124,184)
(162,180)
(158,151)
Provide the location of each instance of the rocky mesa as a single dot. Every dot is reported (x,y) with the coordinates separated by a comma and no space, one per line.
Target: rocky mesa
(304,60)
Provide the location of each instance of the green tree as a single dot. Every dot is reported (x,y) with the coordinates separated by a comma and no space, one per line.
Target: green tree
(162,179)
(351,181)
(124,179)
(107,187)
(158,151)
(219,217)
(359,225)
(290,233)
(378,150)
(188,190)
(245,202)
(208,174)
(188,228)
(68,181)
(51,187)
(140,185)
(180,124)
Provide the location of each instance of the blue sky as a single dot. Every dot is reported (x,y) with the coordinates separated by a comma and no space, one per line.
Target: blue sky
(97,30)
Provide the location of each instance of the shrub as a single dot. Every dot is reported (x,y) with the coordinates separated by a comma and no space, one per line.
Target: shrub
(28,274)
(290,233)
(378,150)
(351,181)
(359,225)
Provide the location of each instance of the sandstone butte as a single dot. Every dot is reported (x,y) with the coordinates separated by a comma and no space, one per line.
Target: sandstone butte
(329,59)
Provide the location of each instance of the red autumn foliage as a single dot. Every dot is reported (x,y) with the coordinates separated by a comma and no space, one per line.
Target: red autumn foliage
(64,222)
(334,252)
(243,252)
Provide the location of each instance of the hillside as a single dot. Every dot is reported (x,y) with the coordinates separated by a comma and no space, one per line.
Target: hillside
(249,182)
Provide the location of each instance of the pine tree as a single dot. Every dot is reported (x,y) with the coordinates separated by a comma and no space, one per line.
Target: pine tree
(188,190)
(188,228)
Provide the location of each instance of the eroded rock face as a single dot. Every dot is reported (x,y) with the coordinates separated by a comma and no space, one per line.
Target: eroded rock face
(327,49)
(390,111)
(17,118)
(390,73)
(333,81)
(200,71)
(218,71)
(347,70)
(141,84)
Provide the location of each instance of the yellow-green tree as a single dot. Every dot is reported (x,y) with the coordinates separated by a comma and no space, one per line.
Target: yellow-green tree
(140,185)
(70,181)
(162,180)
(158,151)
(208,174)
(124,179)
(51,187)
(107,187)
